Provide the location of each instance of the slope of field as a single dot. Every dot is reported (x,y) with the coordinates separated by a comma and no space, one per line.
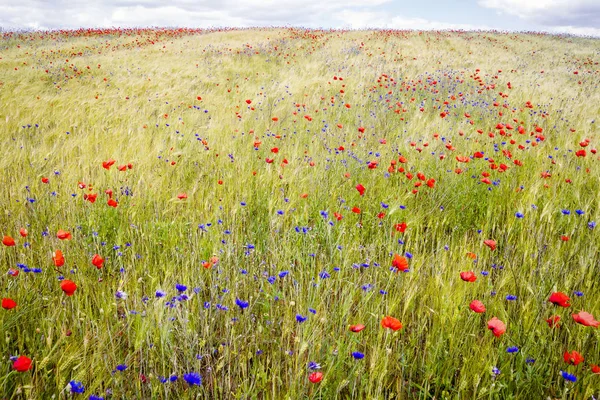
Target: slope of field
(219,214)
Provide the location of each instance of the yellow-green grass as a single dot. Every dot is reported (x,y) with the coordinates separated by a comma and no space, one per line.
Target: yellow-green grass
(138,103)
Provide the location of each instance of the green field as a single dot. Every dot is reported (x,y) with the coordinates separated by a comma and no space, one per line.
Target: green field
(231,163)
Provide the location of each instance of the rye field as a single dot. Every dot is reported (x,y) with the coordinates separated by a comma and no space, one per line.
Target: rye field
(299,214)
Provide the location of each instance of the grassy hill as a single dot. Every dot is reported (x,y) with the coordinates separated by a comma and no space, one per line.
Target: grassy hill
(256,194)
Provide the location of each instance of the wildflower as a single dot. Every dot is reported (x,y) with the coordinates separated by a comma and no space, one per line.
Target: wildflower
(315,377)
(358,355)
(568,377)
(300,318)
(497,327)
(477,306)
(313,366)
(22,364)
(586,319)
(97,261)
(391,323)
(468,276)
(559,299)
(193,378)
(573,358)
(8,304)
(68,287)
(76,387)
(400,263)
(241,303)
(63,235)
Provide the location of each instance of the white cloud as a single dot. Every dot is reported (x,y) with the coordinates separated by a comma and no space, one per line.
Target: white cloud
(574,30)
(189,13)
(373,19)
(551,13)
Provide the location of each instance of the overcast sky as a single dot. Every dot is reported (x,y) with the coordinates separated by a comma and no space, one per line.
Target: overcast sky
(570,16)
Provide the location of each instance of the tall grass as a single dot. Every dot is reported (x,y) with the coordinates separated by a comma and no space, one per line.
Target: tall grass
(272,226)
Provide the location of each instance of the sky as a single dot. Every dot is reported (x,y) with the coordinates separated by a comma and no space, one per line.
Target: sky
(580,17)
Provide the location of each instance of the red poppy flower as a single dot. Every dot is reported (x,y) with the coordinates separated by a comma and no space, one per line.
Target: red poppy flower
(573,357)
(23,232)
(107,164)
(69,287)
(22,364)
(559,299)
(553,322)
(468,276)
(112,202)
(316,377)
(356,328)
(497,327)
(361,189)
(400,263)
(477,306)
(595,369)
(63,235)
(490,243)
(8,304)
(8,241)
(401,227)
(58,258)
(391,323)
(45,180)
(97,261)
(182,196)
(586,319)
(356,210)
(90,197)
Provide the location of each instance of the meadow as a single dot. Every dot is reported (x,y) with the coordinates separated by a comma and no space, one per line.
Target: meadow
(294,214)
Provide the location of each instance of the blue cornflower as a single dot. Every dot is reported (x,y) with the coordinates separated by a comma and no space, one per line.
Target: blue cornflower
(241,303)
(76,387)
(580,212)
(313,366)
(530,360)
(513,349)
(578,293)
(121,367)
(324,275)
(160,293)
(300,318)
(495,371)
(283,274)
(566,212)
(568,376)
(193,378)
(591,224)
(519,215)
(94,397)
(173,378)
(180,287)
(358,355)
(511,297)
